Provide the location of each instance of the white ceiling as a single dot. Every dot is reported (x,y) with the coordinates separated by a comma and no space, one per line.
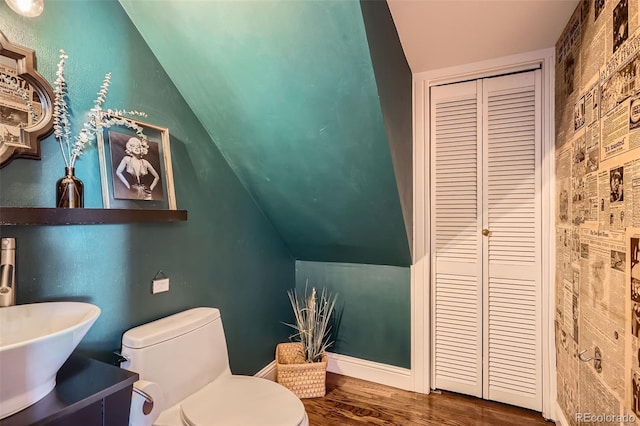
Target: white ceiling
(443,33)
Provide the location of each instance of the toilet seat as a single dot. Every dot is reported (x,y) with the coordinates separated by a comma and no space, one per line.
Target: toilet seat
(243,400)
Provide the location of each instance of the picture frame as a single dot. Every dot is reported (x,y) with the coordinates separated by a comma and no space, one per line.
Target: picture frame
(26,103)
(136,171)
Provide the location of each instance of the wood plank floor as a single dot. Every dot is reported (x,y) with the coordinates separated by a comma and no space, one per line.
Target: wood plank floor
(351,401)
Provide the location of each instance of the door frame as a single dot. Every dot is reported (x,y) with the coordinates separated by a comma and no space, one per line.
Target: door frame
(421,268)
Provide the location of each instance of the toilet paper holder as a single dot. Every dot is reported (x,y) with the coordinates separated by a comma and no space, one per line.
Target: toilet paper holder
(148,400)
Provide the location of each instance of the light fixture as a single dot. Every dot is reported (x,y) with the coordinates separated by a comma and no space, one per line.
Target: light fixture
(28,8)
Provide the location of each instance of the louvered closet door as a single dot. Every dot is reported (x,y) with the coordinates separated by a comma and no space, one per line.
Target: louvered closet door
(457,295)
(485,175)
(512,274)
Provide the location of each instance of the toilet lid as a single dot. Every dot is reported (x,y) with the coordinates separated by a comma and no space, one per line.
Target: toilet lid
(242,400)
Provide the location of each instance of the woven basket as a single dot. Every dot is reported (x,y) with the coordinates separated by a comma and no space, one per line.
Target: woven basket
(305,379)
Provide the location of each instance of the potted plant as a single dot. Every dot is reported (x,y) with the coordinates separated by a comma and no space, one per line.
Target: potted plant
(301,365)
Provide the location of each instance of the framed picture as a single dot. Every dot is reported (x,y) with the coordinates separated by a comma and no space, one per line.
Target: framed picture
(26,99)
(135,167)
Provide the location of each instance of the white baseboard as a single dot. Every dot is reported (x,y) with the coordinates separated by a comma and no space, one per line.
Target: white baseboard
(268,372)
(371,371)
(560,417)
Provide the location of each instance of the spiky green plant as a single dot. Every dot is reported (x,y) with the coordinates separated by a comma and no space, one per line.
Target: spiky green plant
(313,321)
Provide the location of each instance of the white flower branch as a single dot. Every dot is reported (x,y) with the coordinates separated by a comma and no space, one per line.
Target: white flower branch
(61,125)
(98,118)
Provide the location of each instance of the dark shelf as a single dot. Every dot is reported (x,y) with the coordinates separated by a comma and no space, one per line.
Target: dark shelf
(51,216)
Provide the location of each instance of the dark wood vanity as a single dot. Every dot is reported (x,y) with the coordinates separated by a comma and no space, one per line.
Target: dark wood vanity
(87,393)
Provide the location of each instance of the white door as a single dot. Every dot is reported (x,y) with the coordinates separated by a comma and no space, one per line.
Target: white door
(486,227)
(456,226)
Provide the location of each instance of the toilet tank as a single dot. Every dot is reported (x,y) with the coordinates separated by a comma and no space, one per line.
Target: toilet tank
(181,352)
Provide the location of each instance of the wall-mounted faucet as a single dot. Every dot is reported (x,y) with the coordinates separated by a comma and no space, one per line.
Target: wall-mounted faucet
(7,272)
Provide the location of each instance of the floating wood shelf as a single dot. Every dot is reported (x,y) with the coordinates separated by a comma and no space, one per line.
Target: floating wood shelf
(51,216)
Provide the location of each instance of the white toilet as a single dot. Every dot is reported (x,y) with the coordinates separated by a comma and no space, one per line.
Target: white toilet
(185,356)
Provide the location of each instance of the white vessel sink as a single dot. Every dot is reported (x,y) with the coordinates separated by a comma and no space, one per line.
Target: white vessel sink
(35,340)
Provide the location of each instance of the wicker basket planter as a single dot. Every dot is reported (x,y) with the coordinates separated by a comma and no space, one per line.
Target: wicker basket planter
(305,379)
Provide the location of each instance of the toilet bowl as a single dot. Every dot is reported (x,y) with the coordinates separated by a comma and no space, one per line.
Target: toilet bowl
(186,356)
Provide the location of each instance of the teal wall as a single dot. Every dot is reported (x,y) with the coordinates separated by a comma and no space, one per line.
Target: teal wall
(394,82)
(288,91)
(373,308)
(226,255)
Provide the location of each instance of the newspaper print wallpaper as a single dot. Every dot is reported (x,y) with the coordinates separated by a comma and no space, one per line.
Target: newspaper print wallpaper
(598,213)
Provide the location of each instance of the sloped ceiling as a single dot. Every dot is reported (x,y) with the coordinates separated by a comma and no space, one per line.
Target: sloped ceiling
(444,33)
(286,89)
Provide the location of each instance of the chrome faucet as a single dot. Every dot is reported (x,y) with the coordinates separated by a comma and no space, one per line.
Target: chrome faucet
(8,272)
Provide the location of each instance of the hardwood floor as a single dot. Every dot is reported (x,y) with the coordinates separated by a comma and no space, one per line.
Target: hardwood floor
(351,401)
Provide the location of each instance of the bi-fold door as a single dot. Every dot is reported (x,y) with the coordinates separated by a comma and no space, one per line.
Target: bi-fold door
(486,238)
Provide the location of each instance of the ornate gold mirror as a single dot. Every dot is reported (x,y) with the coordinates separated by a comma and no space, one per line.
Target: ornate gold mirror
(26,108)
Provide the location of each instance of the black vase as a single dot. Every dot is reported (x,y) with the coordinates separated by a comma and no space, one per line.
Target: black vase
(69,190)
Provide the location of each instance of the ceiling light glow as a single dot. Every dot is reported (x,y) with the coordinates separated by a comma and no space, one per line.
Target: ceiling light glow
(28,8)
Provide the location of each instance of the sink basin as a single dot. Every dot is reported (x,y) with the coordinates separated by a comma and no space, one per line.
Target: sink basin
(35,340)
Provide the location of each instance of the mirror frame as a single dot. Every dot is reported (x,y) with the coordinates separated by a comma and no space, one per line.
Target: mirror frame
(28,145)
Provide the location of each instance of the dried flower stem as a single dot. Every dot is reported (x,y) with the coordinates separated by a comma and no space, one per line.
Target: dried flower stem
(99,119)
(61,125)
(313,317)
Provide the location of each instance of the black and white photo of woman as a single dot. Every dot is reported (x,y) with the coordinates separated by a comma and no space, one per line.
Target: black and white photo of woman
(136,164)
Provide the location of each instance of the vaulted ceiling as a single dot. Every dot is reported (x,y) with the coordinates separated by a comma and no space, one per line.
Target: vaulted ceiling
(293,94)
(287,91)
